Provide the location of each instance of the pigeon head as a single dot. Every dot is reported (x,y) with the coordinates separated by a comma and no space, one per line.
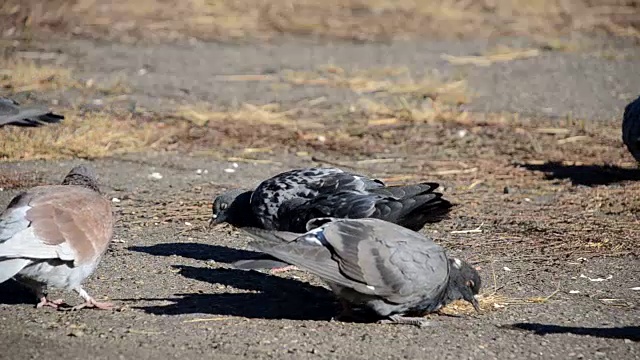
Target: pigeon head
(464,282)
(82,175)
(233,207)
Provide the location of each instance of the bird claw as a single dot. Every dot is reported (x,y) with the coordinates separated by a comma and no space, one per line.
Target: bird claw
(56,304)
(92,304)
(284,268)
(403,320)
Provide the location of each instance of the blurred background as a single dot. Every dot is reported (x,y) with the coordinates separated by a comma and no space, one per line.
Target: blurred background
(350,19)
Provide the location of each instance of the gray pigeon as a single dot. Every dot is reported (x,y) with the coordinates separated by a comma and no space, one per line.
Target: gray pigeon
(55,236)
(12,114)
(631,128)
(289,200)
(383,268)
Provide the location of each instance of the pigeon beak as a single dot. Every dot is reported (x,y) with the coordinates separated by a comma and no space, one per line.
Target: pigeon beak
(475,304)
(216,220)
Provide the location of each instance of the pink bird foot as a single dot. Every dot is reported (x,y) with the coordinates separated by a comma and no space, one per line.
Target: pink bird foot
(50,303)
(92,303)
(283,269)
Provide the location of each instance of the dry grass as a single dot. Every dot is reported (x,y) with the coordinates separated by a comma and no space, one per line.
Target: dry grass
(18,75)
(387,81)
(350,19)
(89,135)
(494,56)
(491,302)
(84,135)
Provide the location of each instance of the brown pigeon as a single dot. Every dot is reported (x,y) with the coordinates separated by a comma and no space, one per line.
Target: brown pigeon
(12,114)
(55,236)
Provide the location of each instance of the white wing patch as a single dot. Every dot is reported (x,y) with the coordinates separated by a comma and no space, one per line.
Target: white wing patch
(315,237)
(17,239)
(12,222)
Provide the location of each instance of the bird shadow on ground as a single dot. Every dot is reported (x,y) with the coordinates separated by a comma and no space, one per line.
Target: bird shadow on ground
(12,293)
(198,251)
(588,175)
(265,296)
(625,332)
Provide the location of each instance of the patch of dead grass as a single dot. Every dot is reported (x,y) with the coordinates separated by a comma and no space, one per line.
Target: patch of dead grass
(390,81)
(493,56)
(18,75)
(491,302)
(90,135)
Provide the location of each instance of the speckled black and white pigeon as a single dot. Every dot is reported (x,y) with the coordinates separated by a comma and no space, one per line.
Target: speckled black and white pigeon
(55,236)
(631,128)
(385,269)
(289,200)
(11,113)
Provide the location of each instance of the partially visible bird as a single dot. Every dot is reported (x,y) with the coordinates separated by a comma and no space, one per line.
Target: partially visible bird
(631,128)
(390,271)
(11,113)
(55,235)
(289,200)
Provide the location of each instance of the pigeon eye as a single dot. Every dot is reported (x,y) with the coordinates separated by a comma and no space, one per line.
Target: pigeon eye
(224,206)
(470,283)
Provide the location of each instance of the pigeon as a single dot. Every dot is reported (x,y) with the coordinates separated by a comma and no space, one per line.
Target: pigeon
(387,270)
(55,236)
(631,128)
(287,201)
(12,114)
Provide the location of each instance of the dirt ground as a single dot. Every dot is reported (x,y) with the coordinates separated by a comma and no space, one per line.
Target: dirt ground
(527,144)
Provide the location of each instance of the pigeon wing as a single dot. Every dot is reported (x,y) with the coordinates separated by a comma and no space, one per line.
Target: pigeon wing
(299,185)
(12,113)
(67,222)
(396,262)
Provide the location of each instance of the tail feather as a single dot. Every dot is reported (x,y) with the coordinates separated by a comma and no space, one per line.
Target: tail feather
(420,204)
(407,191)
(31,118)
(270,235)
(10,267)
(265,261)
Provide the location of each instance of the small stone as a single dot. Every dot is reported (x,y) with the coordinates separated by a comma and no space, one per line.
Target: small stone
(229,170)
(115,200)
(76,333)
(155,176)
